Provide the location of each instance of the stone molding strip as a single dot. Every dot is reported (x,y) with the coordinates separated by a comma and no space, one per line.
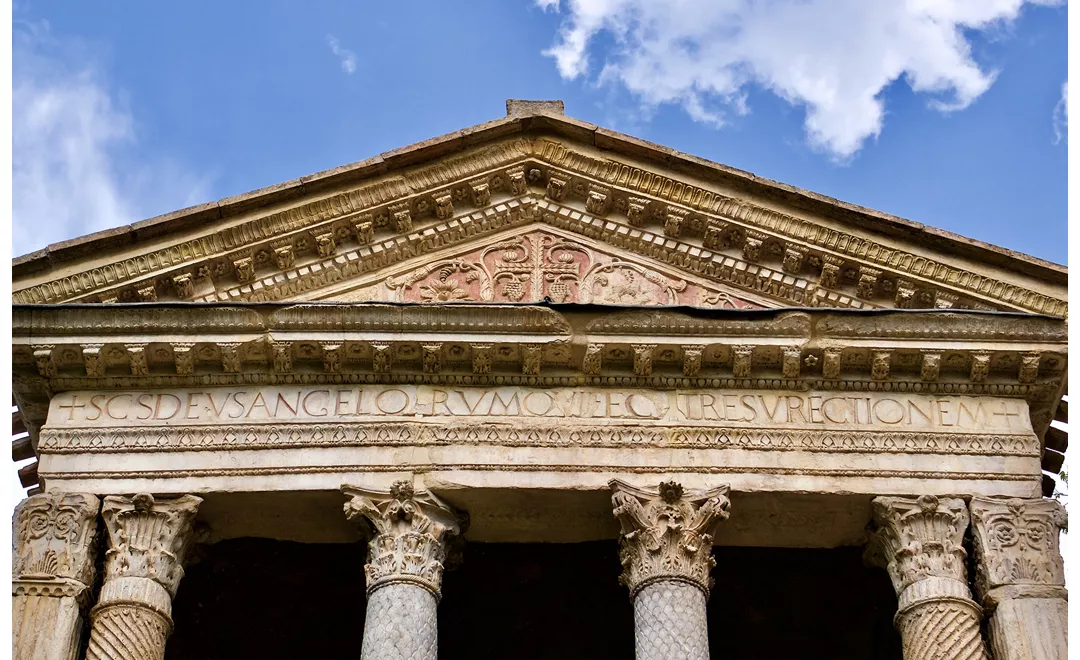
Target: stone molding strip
(394,434)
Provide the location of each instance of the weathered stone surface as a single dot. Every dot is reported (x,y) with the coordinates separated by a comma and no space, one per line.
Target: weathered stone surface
(1020,576)
(920,543)
(406,557)
(53,541)
(148,541)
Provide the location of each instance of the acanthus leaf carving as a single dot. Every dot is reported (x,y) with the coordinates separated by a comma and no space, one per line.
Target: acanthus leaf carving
(412,533)
(148,537)
(667,534)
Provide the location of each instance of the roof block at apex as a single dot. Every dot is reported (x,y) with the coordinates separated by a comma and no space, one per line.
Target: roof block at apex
(538,205)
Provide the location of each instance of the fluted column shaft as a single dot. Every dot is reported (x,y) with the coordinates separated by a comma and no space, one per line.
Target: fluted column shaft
(665,547)
(920,543)
(148,540)
(410,535)
(1020,576)
(52,553)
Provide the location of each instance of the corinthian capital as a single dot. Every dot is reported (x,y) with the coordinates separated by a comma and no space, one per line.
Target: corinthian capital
(1016,545)
(667,534)
(921,539)
(412,531)
(149,538)
(53,539)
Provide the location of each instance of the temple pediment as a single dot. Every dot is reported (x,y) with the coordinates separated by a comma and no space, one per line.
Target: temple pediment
(536,206)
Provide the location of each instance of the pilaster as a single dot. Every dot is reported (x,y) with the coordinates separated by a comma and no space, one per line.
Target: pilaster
(665,547)
(53,539)
(919,541)
(1020,576)
(148,540)
(412,531)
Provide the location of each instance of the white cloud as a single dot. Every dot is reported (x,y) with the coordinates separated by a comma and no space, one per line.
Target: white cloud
(835,57)
(347,57)
(1061,114)
(75,164)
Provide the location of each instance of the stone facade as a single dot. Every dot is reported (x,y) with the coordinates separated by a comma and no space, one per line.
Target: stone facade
(538,331)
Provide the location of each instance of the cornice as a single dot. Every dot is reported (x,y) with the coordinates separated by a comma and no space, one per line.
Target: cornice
(417,211)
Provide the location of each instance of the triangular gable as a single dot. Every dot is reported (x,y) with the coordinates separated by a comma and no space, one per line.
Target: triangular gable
(535,177)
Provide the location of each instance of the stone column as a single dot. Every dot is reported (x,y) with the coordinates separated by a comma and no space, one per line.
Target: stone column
(148,539)
(1020,576)
(408,548)
(52,569)
(920,543)
(665,547)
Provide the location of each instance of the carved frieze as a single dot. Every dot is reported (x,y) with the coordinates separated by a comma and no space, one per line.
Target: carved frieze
(412,531)
(667,534)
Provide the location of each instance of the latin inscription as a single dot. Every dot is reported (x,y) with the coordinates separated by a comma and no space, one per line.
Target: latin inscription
(730,408)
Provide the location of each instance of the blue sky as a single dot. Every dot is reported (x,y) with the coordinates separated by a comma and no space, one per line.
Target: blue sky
(952,117)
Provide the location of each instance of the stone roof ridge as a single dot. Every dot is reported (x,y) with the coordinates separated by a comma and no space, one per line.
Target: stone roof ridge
(536,117)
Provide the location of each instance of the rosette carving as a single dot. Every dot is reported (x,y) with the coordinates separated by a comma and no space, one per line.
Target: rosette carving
(1016,543)
(412,532)
(667,534)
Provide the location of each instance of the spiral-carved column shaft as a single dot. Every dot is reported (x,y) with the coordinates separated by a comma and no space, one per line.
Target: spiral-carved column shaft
(666,551)
(919,541)
(410,539)
(148,540)
(52,546)
(1020,576)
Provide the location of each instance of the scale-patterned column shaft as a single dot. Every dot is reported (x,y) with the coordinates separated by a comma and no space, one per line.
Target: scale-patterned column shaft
(670,622)
(45,627)
(401,624)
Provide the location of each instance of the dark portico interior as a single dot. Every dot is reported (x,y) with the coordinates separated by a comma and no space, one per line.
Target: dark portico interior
(268,599)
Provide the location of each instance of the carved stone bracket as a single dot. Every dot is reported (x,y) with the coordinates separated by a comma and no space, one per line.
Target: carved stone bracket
(920,543)
(643,359)
(91,353)
(481,358)
(531,355)
(692,359)
(184,357)
(667,533)
(137,359)
(412,531)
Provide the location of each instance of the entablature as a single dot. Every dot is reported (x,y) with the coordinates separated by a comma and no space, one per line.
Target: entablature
(92,347)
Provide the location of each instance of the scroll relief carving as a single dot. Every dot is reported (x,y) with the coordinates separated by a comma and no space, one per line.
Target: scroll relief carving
(1016,544)
(539,265)
(53,542)
(667,534)
(412,531)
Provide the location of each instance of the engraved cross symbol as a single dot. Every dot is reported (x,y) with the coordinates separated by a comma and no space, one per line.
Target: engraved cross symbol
(72,406)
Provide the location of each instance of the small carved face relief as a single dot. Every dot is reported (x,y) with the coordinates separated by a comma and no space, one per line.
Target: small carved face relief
(1035,535)
(406,351)
(421,206)
(305,351)
(456,351)
(505,351)
(535,174)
